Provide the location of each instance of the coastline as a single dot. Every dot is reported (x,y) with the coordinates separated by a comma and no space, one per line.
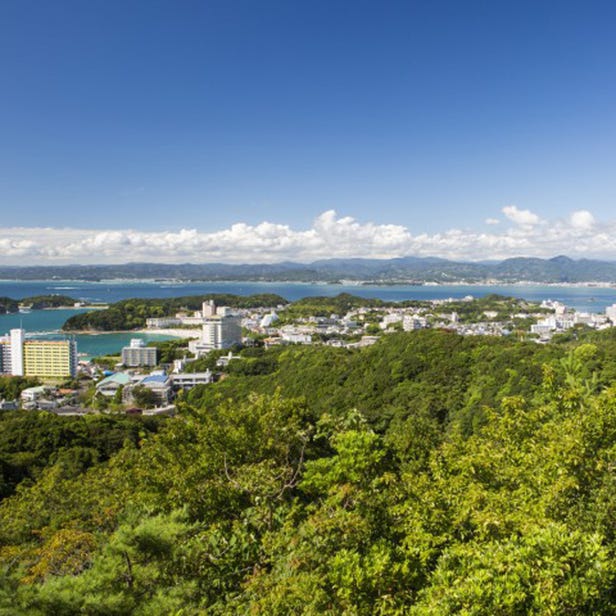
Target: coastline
(175,333)
(86,307)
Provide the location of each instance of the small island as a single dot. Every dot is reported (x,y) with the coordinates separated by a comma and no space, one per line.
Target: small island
(9,305)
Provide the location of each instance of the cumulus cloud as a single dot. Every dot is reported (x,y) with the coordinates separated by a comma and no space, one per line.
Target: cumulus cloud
(328,236)
(492,221)
(520,217)
(582,219)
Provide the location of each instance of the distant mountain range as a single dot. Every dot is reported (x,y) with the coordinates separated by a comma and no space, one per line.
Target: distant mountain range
(406,269)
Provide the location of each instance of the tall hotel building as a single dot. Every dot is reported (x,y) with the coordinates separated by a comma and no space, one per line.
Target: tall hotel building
(41,358)
(220,330)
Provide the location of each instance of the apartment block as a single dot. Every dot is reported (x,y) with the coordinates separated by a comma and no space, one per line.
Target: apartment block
(137,354)
(49,358)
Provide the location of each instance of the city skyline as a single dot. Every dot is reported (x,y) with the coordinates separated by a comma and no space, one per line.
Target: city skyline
(210,131)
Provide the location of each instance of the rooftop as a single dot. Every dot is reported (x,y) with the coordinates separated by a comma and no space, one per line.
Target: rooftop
(121,378)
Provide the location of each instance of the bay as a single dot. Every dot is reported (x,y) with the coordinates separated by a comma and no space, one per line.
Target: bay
(47,323)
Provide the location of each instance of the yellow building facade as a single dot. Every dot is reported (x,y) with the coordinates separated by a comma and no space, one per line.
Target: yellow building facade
(50,358)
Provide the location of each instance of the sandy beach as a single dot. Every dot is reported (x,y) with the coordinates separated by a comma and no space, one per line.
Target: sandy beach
(176,333)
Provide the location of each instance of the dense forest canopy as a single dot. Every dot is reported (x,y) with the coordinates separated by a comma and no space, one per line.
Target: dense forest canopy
(36,302)
(427,474)
(8,304)
(39,302)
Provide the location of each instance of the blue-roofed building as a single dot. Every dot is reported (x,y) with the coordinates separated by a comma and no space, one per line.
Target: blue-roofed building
(158,382)
(110,385)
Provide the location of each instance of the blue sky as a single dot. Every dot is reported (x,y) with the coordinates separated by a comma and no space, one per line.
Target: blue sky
(149,118)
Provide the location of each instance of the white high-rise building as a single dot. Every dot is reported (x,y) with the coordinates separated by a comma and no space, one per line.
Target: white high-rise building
(208,309)
(221,330)
(17,351)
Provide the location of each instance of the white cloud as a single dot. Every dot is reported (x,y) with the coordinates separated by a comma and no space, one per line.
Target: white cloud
(492,221)
(582,219)
(520,217)
(328,236)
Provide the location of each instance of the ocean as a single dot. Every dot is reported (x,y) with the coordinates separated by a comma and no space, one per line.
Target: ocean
(47,323)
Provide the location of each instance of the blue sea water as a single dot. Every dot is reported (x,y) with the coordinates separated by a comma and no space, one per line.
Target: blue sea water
(47,323)
(584,298)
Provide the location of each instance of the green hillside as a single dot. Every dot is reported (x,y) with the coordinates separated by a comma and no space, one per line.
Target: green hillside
(427,474)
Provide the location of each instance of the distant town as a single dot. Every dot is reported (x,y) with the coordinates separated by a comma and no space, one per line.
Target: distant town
(141,380)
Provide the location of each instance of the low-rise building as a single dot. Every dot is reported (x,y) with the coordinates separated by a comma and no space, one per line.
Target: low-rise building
(109,386)
(32,394)
(187,380)
(158,383)
(295,337)
(8,405)
(268,320)
(223,362)
(411,323)
(162,322)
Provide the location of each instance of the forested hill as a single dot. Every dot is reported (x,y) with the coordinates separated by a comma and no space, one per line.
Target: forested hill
(7,304)
(427,474)
(36,302)
(559,269)
(132,313)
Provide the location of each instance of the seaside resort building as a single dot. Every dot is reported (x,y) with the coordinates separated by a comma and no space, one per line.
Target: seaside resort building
(53,359)
(220,329)
(137,354)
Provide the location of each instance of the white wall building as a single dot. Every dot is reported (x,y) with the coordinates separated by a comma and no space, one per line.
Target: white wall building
(186,380)
(296,337)
(137,354)
(12,353)
(17,352)
(268,320)
(411,322)
(390,319)
(544,326)
(162,322)
(220,330)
